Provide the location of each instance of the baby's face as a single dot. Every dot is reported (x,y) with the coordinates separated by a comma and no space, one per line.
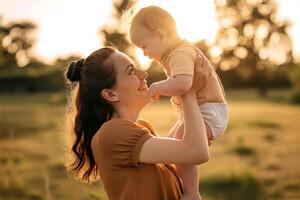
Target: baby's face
(149,42)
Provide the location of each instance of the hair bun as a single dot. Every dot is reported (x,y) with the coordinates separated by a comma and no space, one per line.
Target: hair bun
(73,73)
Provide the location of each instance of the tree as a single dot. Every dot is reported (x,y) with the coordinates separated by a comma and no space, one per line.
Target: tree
(204,46)
(16,40)
(251,40)
(116,33)
(155,72)
(295,79)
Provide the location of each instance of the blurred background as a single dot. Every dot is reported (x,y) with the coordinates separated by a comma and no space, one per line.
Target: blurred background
(253,44)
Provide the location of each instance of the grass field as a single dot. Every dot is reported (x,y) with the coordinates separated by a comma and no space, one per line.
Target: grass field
(256,159)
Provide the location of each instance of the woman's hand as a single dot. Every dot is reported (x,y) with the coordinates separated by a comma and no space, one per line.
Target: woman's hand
(203,69)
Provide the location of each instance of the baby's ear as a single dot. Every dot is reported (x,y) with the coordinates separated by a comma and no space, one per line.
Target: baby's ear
(161,34)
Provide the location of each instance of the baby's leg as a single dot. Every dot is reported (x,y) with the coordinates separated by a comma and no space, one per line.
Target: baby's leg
(188,173)
(209,133)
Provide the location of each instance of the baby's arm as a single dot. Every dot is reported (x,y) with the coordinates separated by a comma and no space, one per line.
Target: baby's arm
(173,86)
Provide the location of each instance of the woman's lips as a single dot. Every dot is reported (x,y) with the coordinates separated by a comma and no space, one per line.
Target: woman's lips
(145,87)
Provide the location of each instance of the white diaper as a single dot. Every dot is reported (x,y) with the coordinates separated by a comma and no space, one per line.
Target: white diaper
(216,117)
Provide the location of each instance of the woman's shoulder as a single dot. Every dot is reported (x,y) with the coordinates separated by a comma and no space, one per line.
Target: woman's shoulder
(146,124)
(119,141)
(118,123)
(115,126)
(115,122)
(122,129)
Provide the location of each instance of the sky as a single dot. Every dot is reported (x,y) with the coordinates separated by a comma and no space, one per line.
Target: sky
(72,26)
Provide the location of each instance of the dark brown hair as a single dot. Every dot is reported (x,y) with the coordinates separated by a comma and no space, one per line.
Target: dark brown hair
(88,110)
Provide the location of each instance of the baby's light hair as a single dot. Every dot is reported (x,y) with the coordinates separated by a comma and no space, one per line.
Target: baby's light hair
(154,18)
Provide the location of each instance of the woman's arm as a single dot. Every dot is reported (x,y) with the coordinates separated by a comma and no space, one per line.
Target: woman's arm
(173,130)
(192,149)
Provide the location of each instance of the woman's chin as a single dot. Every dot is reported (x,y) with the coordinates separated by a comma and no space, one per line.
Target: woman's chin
(143,95)
(147,102)
(147,99)
(143,92)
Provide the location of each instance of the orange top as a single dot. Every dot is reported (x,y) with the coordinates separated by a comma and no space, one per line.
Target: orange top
(116,147)
(180,59)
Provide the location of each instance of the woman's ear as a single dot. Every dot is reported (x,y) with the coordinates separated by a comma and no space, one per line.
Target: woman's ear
(109,95)
(161,34)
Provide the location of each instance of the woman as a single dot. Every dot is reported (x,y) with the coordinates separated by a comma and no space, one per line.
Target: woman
(111,142)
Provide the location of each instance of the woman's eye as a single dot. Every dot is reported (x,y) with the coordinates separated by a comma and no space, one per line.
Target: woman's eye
(131,71)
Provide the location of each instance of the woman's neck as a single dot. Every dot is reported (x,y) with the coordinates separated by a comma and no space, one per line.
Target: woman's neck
(126,114)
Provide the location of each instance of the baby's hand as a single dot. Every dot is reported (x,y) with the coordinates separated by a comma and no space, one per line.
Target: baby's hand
(153,93)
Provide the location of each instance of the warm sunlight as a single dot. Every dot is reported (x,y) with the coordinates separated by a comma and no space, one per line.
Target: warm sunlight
(85,115)
(72,27)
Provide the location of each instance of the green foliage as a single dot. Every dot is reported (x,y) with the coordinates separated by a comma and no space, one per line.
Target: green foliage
(14,188)
(251,40)
(116,34)
(155,73)
(295,75)
(225,176)
(35,77)
(16,40)
(273,167)
(264,124)
(295,97)
(51,81)
(295,79)
(233,187)
(269,137)
(58,169)
(243,150)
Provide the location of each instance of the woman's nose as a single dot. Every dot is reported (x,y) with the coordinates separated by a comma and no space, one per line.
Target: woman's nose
(142,74)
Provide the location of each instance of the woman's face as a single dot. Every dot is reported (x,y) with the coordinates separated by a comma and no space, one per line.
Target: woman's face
(131,86)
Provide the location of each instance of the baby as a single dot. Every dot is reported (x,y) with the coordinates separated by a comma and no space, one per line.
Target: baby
(154,31)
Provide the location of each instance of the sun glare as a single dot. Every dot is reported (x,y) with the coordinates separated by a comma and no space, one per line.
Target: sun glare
(195,19)
(75,29)
(143,60)
(71,27)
